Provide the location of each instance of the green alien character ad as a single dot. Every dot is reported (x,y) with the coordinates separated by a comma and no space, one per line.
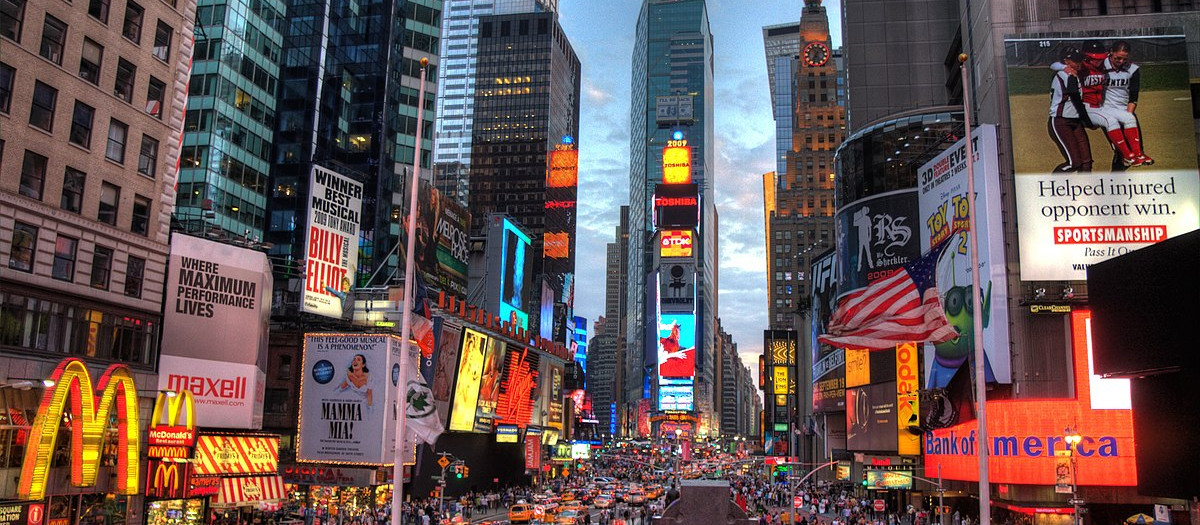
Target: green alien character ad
(945,211)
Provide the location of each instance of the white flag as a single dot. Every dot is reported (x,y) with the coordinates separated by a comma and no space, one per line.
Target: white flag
(423,422)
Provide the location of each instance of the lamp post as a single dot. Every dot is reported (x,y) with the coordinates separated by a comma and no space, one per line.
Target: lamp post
(1073,438)
(679,461)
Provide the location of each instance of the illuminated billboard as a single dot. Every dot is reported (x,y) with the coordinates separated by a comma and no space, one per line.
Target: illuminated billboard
(1023,441)
(509,259)
(677,286)
(675,243)
(908,412)
(447,364)
(562,169)
(466,388)
(779,380)
(676,394)
(676,205)
(442,248)
(942,197)
(518,388)
(871,417)
(334,215)
(1090,195)
(889,479)
(677,163)
(489,385)
(676,346)
(828,362)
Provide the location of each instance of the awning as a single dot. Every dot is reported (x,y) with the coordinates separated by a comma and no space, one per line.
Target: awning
(237,492)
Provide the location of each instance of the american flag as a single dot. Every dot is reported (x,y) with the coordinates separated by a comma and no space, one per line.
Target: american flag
(903,307)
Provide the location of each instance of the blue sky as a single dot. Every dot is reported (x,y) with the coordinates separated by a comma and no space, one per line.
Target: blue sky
(602,34)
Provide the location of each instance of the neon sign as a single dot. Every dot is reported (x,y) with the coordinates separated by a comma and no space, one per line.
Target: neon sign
(117,391)
(677,163)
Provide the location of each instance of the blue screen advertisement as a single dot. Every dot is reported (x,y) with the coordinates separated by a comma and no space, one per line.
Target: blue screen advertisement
(513,278)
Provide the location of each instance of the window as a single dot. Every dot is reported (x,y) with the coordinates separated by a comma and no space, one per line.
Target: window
(54,35)
(117,131)
(123,85)
(7,74)
(141,215)
(81,124)
(132,29)
(90,60)
(41,114)
(162,40)
(101,267)
(134,270)
(148,157)
(155,92)
(12,15)
(98,9)
(110,198)
(33,175)
(72,193)
(64,258)
(24,244)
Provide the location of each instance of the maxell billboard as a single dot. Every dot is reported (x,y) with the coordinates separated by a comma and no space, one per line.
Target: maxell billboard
(942,194)
(215,329)
(1086,195)
(334,216)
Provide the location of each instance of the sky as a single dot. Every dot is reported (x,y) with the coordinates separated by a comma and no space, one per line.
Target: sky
(602,34)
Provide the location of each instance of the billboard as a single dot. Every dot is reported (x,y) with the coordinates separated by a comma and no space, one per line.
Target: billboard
(779,380)
(508,258)
(942,194)
(875,238)
(677,286)
(519,387)
(218,302)
(447,364)
(871,417)
(671,109)
(676,394)
(908,409)
(828,362)
(228,395)
(889,479)
(470,372)
(1080,200)
(677,162)
(334,215)
(562,169)
(222,455)
(489,385)
(555,396)
(442,250)
(676,205)
(676,345)
(675,243)
(1023,441)
(345,395)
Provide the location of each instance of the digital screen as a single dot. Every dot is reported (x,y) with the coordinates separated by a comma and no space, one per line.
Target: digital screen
(519,387)
(507,433)
(513,267)
(889,479)
(466,389)
(677,164)
(675,243)
(489,386)
(677,396)
(677,346)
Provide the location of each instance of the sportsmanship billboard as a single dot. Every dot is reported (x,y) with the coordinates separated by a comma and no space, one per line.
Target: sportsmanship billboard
(942,195)
(470,372)
(1121,179)
(345,395)
(334,215)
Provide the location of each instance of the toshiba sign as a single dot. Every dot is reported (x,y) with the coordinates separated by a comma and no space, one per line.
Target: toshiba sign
(675,243)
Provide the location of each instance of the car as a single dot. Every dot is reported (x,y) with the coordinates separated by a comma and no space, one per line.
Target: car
(520,513)
(574,505)
(568,496)
(636,497)
(568,517)
(603,501)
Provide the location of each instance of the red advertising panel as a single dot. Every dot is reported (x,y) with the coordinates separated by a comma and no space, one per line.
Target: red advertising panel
(1023,440)
(563,170)
(533,451)
(518,387)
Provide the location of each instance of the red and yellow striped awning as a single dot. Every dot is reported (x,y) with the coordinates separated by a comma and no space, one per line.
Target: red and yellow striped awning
(237,492)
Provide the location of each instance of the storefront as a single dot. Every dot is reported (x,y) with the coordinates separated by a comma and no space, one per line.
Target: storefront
(175,512)
(324,492)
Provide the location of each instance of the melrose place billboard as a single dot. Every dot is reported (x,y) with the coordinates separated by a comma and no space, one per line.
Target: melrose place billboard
(1077,202)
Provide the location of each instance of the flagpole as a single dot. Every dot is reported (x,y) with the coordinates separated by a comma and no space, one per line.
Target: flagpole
(406,313)
(981,442)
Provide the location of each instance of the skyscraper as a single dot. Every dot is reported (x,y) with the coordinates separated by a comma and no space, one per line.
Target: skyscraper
(526,110)
(224,179)
(348,102)
(456,83)
(672,99)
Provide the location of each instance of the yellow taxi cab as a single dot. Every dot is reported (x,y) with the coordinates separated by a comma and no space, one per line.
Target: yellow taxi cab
(568,496)
(520,513)
(636,496)
(573,505)
(569,517)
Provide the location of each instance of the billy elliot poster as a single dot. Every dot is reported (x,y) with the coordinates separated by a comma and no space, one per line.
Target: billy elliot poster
(334,215)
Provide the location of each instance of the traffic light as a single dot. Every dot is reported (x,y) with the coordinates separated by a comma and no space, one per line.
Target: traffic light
(466,471)
(864,480)
(458,471)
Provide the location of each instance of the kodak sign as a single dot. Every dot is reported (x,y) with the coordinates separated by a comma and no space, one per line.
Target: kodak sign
(91,408)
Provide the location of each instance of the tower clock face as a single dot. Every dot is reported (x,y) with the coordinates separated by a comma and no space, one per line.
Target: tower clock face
(816,54)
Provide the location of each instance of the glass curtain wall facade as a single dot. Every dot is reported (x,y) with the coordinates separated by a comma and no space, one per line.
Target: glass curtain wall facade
(672,55)
(348,102)
(526,102)
(229,125)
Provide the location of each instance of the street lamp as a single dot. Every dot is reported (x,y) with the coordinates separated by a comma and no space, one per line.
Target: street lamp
(679,462)
(26,384)
(1073,438)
